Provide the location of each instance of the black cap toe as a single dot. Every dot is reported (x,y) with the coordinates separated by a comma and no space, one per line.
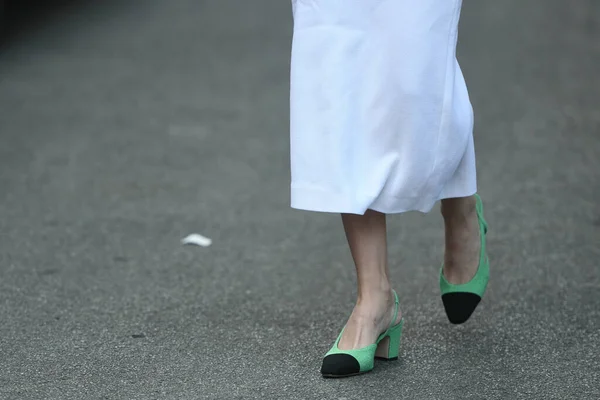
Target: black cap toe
(460,305)
(339,365)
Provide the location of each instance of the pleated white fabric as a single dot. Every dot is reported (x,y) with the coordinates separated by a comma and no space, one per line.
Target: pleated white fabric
(380,114)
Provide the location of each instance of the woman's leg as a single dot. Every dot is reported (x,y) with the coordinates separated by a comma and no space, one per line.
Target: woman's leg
(461,257)
(374,309)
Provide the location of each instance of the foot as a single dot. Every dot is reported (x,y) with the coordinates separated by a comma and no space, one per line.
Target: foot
(370,318)
(461,257)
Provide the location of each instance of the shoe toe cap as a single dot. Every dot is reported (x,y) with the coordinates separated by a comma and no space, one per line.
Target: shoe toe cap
(340,365)
(460,305)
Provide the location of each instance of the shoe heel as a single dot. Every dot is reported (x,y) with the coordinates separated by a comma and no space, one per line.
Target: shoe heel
(389,347)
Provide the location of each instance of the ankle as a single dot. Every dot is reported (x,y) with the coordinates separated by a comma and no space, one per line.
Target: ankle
(375,296)
(377,308)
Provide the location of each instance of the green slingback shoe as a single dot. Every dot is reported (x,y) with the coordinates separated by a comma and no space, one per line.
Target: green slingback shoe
(461,300)
(343,363)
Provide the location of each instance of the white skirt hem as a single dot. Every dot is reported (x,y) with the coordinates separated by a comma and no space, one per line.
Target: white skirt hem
(321,200)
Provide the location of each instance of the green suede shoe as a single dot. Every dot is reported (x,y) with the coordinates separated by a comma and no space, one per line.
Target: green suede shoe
(343,363)
(461,300)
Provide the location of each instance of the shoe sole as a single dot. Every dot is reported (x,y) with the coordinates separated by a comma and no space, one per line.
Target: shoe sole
(386,359)
(342,376)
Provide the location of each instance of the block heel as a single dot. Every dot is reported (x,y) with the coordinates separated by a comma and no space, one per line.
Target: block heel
(389,348)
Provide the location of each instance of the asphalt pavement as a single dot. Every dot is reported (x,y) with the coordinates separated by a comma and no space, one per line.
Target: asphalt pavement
(127,125)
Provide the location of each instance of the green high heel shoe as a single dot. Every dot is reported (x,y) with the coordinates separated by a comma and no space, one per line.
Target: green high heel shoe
(461,300)
(343,363)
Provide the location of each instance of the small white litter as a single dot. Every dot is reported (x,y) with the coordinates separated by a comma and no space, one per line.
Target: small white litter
(196,240)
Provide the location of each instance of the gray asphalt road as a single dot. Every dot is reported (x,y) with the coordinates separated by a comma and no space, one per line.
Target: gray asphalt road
(126,125)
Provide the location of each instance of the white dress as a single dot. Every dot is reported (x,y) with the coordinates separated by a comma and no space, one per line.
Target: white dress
(380,114)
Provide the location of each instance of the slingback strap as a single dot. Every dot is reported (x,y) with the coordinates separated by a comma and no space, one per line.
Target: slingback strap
(479,208)
(397,305)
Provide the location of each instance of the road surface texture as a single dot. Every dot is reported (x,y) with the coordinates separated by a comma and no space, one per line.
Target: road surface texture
(126,125)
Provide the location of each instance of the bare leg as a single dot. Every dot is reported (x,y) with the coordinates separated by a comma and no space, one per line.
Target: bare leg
(367,238)
(461,258)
